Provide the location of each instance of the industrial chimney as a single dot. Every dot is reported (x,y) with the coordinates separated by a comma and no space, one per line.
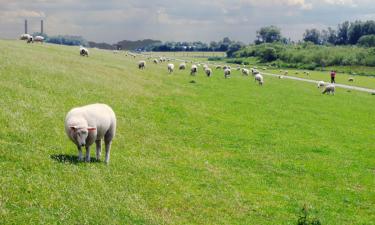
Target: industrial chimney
(41,26)
(25,26)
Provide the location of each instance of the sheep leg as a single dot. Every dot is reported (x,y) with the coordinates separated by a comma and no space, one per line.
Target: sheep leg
(80,157)
(107,150)
(87,153)
(98,149)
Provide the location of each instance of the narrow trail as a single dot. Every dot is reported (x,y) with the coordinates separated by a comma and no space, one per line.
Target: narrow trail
(368,90)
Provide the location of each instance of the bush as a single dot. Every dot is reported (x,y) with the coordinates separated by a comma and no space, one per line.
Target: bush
(367,41)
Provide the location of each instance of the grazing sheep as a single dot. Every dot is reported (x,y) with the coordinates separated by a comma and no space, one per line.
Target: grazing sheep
(329,89)
(245,72)
(351,79)
(30,39)
(259,78)
(170,67)
(182,66)
(141,65)
(255,72)
(218,67)
(208,72)
(281,77)
(238,68)
(286,73)
(39,39)
(83,51)
(194,70)
(227,73)
(88,124)
(321,84)
(25,37)
(156,61)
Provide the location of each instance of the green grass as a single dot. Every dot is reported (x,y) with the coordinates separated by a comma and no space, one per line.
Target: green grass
(214,152)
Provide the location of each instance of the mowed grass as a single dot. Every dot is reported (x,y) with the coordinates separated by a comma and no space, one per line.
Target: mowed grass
(212,152)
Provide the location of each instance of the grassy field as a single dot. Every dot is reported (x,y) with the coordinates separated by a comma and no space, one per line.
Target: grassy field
(211,152)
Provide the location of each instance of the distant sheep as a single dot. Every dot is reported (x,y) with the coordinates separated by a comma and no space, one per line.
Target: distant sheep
(156,61)
(170,67)
(182,66)
(193,70)
(39,39)
(281,77)
(351,79)
(245,72)
(141,65)
(218,67)
(321,84)
(25,37)
(227,73)
(88,124)
(83,51)
(259,78)
(329,89)
(208,72)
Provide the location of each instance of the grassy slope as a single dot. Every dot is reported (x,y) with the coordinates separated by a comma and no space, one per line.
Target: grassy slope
(215,152)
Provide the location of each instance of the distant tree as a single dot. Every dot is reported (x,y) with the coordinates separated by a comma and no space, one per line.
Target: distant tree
(367,41)
(268,35)
(234,47)
(329,36)
(342,33)
(312,35)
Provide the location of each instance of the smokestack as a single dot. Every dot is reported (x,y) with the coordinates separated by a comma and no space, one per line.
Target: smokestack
(41,26)
(25,26)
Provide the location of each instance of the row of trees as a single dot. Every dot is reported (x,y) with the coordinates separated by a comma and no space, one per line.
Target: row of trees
(347,33)
(225,45)
(63,39)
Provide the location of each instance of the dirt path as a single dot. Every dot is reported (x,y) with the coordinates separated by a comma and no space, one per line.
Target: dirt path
(316,82)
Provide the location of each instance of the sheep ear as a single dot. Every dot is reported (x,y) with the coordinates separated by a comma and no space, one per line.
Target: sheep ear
(91,129)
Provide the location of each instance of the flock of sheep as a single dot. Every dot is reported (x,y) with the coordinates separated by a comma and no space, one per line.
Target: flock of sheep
(30,39)
(207,70)
(93,123)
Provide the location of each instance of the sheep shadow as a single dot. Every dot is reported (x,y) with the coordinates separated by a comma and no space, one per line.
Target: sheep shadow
(70,159)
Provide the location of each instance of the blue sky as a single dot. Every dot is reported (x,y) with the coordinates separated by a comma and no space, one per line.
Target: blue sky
(172,20)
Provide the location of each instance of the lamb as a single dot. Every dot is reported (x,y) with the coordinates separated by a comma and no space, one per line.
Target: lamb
(208,72)
(351,79)
(194,70)
(170,67)
(245,72)
(83,51)
(329,89)
(88,124)
(227,73)
(39,39)
(259,78)
(141,65)
(321,84)
(182,66)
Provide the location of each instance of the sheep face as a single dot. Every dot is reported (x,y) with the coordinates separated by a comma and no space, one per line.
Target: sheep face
(80,134)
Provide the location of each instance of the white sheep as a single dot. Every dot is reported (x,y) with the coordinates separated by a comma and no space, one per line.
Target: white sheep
(208,72)
(245,72)
(170,67)
(281,77)
(182,66)
(227,73)
(329,89)
(194,70)
(30,39)
(321,84)
(25,37)
(142,65)
(88,124)
(39,39)
(259,78)
(83,51)
(156,61)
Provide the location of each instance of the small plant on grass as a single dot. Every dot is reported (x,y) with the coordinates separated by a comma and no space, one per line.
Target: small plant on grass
(306,218)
